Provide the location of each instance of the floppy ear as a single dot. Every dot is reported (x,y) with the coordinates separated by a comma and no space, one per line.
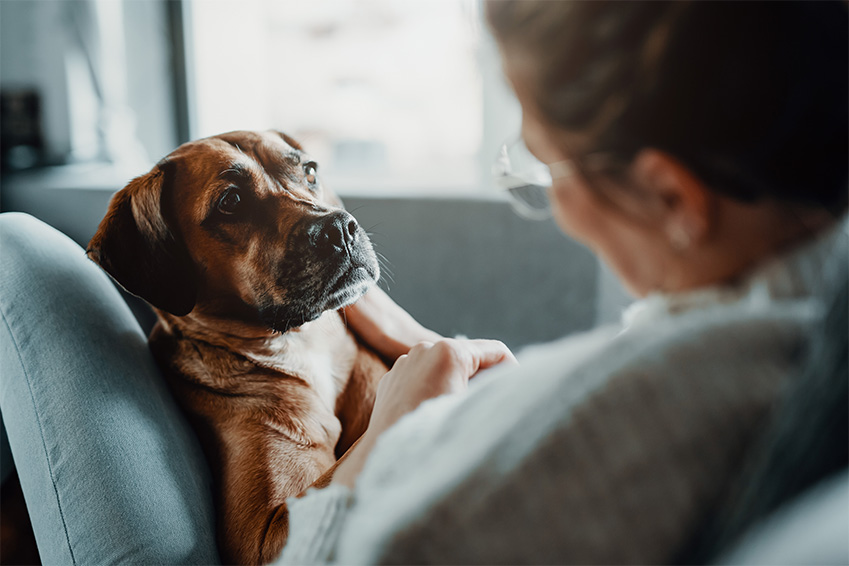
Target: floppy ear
(136,247)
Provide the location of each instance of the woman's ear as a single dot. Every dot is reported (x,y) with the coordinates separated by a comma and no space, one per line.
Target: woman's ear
(683,203)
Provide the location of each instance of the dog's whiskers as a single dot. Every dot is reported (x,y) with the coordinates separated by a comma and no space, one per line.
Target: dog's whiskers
(386,280)
(385,269)
(385,273)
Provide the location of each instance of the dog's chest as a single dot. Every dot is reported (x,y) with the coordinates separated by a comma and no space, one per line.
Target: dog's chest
(322,353)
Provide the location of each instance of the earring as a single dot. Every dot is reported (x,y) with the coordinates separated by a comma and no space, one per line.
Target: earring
(679,238)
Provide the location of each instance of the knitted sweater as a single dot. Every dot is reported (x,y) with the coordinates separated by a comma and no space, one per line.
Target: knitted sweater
(610,446)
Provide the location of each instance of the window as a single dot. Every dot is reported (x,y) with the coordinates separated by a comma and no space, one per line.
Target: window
(390,96)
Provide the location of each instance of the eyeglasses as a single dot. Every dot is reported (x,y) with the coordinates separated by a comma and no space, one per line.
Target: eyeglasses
(527,179)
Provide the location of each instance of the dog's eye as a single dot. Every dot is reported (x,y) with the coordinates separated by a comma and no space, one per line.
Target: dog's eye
(229,201)
(311,172)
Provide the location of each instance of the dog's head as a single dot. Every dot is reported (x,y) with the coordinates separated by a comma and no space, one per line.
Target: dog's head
(237,226)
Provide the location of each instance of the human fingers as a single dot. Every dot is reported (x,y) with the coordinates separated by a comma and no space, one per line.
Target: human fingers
(490,353)
(458,357)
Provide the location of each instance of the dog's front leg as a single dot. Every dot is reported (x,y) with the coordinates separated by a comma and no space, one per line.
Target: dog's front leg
(277,530)
(275,535)
(355,403)
(260,467)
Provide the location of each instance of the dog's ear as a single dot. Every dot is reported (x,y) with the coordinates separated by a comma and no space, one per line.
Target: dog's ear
(135,245)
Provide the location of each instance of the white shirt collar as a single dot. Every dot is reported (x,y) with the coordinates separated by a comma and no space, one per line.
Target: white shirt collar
(801,272)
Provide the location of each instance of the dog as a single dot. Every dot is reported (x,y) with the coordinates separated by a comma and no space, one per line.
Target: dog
(246,259)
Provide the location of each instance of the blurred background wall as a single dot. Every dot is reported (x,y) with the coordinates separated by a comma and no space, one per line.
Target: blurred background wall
(402,103)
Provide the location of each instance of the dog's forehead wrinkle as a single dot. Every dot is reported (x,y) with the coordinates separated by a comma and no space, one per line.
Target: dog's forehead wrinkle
(294,197)
(277,187)
(294,157)
(292,193)
(235,169)
(234,144)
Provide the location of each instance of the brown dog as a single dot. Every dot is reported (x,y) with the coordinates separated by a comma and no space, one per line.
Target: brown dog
(246,259)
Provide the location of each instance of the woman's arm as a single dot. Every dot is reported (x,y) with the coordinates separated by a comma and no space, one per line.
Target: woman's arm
(429,370)
(427,366)
(385,326)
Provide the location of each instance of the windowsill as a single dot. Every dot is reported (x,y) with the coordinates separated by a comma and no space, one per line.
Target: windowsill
(79,176)
(103,176)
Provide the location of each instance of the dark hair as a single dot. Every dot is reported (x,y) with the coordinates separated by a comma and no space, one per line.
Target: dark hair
(751,96)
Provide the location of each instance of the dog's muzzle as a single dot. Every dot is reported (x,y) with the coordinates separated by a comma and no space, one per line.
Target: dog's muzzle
(333,266)
(344,256)
(336,233)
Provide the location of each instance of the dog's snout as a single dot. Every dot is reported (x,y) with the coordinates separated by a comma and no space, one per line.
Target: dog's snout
(336,233)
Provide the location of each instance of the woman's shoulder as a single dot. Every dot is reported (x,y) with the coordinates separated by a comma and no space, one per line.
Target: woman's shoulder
(747,349)
(737,333)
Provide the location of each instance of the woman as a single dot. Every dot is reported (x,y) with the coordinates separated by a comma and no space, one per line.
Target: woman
(699,148)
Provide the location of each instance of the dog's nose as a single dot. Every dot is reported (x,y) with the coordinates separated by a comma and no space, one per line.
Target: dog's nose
(336,233)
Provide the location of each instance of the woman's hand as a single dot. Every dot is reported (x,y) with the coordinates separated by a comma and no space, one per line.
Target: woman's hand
(384,326)
(429,370)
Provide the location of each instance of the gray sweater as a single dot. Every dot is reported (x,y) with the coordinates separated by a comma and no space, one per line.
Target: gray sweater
(605,447)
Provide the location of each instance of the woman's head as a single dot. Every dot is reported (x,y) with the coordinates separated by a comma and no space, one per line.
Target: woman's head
(744,100)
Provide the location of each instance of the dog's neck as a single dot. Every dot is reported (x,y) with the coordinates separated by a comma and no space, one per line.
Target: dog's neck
(320,352)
